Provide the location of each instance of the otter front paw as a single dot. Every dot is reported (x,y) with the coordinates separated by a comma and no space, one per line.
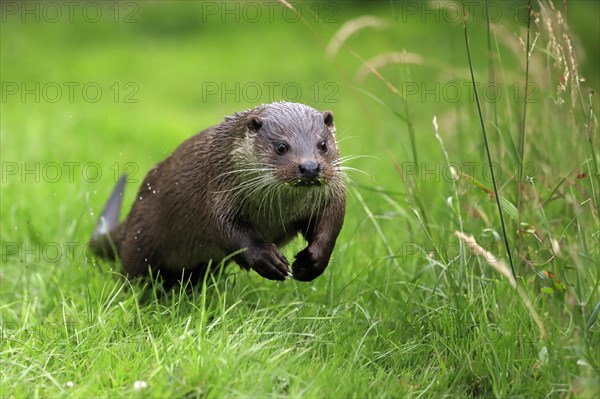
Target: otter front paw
(267,261)
(310,263)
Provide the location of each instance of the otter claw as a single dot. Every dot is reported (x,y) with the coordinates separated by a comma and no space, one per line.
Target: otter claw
(268,261)
(309,265)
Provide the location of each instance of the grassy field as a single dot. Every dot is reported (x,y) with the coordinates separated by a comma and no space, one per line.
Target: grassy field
(406,307)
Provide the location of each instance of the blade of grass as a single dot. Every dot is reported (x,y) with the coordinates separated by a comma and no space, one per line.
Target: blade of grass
(501,268)
(381,102)
(487,147)
(593,317)
(509,143)
(590,128)
(491,71)
(556,187)
(456,197)
(522,130)
(378,228)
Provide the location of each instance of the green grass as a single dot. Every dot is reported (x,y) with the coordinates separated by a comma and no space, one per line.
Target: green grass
(405,309)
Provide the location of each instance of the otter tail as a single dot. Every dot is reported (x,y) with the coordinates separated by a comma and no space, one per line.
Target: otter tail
(105,238)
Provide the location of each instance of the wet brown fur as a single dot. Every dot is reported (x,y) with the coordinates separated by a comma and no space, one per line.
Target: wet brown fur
(227,190)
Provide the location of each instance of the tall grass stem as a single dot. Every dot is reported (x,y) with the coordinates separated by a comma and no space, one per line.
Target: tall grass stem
(487,147)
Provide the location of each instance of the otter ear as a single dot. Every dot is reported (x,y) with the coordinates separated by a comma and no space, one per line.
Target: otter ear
(328,118)
(254,123)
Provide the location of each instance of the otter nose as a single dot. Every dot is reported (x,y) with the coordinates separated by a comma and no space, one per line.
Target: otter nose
(309,170)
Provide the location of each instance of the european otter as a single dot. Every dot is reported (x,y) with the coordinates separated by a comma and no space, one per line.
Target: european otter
(243,187)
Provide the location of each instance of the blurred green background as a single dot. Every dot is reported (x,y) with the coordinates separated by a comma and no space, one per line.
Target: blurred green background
(157,65)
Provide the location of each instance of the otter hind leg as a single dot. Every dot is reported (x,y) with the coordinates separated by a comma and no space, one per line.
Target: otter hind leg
(107,245)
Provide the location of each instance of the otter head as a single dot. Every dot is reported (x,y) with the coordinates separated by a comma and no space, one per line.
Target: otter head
(296,143)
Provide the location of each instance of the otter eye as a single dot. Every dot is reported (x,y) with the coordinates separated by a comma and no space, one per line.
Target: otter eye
(322,146)
(281,148)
